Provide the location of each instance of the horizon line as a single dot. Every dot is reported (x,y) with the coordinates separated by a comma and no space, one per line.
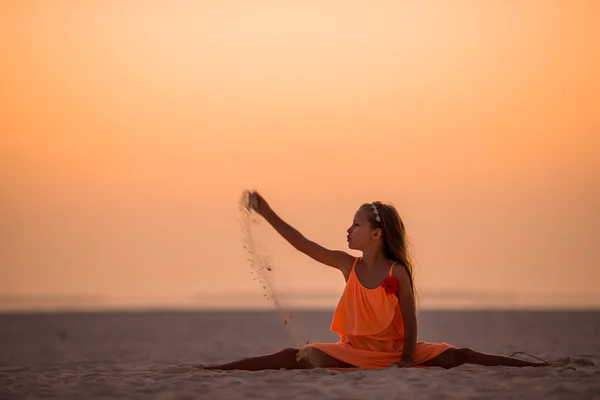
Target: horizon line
(169,309)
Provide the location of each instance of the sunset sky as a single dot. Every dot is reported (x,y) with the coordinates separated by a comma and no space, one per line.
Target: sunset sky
(129,130)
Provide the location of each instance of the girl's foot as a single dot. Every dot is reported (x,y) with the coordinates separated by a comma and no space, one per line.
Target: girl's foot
(544,362)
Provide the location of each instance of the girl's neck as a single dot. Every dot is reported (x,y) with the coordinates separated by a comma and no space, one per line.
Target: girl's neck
(373,257)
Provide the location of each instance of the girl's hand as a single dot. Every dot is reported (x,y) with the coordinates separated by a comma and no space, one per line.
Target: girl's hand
(257,203)
(403,363)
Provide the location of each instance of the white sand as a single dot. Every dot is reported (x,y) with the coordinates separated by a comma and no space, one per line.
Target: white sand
(145,356)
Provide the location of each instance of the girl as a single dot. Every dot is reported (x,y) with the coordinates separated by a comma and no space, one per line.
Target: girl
(376,316)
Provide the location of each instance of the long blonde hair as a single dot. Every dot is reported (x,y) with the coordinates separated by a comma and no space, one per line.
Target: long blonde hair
(394,235)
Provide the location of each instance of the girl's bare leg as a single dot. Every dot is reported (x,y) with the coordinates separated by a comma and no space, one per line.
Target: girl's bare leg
(286,359)
(455,357)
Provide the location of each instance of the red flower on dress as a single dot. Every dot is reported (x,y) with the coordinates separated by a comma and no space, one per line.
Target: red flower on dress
(390,284)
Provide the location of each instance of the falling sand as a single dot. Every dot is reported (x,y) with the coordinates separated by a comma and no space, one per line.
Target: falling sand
(262,270)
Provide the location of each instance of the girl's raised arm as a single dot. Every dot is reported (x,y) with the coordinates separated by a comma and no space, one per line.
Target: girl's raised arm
(333,258)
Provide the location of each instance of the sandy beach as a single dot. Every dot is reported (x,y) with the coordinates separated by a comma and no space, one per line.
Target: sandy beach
(149,355)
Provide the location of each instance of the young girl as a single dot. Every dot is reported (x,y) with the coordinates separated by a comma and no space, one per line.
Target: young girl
(376,316)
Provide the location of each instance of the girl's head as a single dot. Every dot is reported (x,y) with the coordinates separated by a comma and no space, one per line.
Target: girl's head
(379,225)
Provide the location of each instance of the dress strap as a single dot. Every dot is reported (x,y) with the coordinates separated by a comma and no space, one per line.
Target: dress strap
(355,262)
(392,268)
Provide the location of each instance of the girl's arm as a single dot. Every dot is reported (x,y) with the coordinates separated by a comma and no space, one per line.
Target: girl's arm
(334,258)
(409,313)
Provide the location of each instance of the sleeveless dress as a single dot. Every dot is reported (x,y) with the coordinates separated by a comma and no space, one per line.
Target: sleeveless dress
(371,329)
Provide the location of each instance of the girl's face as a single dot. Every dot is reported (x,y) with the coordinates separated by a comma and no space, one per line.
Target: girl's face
(360,234)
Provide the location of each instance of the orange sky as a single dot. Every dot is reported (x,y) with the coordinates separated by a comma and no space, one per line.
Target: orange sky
(129,130)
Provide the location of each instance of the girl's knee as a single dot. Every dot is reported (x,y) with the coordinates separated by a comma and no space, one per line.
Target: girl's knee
(306,356)
(289,351)
(455,357)
(298,356)
(311,358)
(462,355)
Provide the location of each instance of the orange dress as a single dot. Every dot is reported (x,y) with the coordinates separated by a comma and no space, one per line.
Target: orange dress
(371,329)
